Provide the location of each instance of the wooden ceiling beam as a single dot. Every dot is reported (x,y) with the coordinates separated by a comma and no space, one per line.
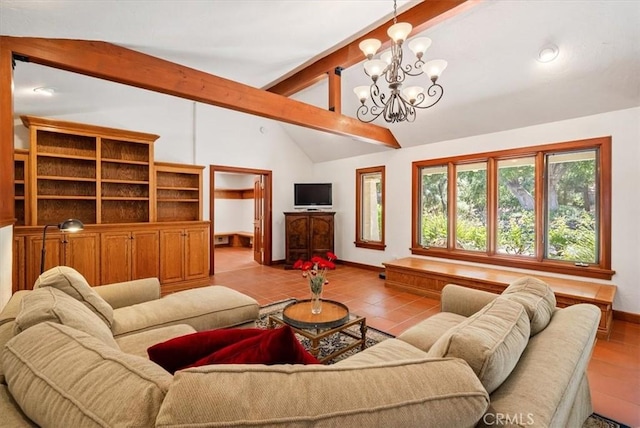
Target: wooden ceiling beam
(422,16)
(118,64)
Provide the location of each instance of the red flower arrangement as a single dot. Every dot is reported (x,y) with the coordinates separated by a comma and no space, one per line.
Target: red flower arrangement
(316,270)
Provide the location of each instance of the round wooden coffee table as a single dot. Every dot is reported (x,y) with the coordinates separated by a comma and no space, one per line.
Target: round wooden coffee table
(298,314)
(334,319)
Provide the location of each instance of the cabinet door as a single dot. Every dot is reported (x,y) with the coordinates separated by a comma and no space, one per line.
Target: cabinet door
(145,254)
(297,237)
(196,252)
(54,256)
(115,263)
(81,252)
(171,255)
(321,234)
(19,267)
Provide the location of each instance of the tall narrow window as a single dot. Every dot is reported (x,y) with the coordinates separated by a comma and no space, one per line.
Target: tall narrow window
(433,225)
(471,206)
(516,207)
(571,216)
(370,208)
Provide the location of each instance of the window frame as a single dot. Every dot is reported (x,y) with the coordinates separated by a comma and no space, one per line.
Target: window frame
(363,243)
(601,269)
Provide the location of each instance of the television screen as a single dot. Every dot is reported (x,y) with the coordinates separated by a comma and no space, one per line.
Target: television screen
(312,195)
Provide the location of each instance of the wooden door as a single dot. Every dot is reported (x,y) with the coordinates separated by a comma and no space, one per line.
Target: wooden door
(321,234)
(145,254)
(54,256)
(196,252)
(115,262)
(171,255)
(81,252)
(297,237)
(258,218)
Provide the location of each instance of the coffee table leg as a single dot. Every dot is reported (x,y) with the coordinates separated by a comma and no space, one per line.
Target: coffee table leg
(315,347)
(363,332)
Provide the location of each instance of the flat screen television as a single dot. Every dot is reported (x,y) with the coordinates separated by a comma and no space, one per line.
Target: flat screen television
(312,195)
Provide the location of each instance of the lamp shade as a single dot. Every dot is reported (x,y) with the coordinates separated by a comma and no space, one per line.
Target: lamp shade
(374,67)
(71,225)
(400,31)
(362,92)
(369,47)
(435,68)
(419,45)
(387,57)
(411,93)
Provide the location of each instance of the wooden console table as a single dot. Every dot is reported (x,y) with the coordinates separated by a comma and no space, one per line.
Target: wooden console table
(428,277)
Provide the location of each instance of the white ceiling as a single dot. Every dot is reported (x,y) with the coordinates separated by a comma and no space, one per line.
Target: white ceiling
(493,81)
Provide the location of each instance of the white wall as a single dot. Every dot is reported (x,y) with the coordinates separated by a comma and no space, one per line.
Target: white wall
(225,137)
(6,260)
(623,126)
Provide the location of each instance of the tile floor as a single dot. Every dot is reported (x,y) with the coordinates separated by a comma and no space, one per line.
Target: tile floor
(614,370)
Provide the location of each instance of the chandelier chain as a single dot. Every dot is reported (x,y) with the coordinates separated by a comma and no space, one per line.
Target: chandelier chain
(395,12)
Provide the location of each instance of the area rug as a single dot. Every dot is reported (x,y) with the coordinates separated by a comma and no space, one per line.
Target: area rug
(329,344)
(597,421)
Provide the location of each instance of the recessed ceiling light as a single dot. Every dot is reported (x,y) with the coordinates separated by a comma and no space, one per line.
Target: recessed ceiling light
(548,53)
(43,90)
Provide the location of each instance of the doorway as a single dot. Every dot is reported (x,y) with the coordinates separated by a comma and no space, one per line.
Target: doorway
(262,213)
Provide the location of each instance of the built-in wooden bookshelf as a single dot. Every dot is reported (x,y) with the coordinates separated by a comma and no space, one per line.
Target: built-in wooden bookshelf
(107,178)
(21,189)
(179,192)
(92,173)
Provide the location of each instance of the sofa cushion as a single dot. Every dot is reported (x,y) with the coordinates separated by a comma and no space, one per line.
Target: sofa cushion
(427,332)
(183,351)
(62,377)
(404,393)
(536,297)
(491,341)
(51,304)
(70,281)
(137,344)
(203,308)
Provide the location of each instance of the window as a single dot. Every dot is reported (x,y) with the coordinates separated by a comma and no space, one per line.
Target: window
(370,208)
(544,208)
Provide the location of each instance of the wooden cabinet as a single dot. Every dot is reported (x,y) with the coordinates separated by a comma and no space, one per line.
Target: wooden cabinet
(19,268)
(129,255)
(184,254)
(308,234)
(178,192)
(92,173)
(79,251)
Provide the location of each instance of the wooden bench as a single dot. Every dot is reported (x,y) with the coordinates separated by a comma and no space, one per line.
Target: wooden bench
(234,239)
(428,277)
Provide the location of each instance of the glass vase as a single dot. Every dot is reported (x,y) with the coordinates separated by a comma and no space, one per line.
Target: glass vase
(316,296)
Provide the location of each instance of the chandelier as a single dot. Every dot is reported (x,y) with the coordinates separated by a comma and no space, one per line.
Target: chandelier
(400,104)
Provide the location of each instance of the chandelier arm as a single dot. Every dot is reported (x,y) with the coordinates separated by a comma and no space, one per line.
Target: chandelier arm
(363,110)
(415,70)
(435,90)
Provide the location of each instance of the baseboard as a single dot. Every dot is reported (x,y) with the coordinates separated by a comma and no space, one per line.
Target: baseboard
(362,266)
(626,316)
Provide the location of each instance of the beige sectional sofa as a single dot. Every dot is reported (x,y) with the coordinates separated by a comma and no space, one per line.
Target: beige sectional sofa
(485,360)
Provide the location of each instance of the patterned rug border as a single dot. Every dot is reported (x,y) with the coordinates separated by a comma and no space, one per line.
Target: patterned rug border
(328,345)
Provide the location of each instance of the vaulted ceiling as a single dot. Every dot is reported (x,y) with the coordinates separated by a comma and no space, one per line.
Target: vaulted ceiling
(493,81)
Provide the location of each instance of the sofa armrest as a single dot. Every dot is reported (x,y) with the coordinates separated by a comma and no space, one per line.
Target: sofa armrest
(463,300)
(121,294)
